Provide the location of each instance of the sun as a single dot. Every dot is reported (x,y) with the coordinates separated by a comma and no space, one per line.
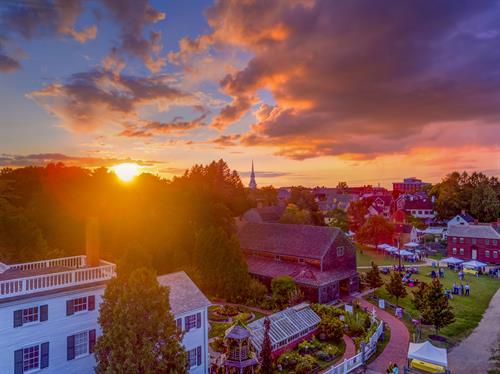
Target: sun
(127,171)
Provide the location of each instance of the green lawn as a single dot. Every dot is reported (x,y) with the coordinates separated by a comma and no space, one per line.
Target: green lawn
(468,309)
(365,256)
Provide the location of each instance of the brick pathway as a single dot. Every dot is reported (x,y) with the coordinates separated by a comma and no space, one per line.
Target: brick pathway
(350,348)
(397,348)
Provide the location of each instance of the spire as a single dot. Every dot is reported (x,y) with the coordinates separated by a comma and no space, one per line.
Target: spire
(252,185)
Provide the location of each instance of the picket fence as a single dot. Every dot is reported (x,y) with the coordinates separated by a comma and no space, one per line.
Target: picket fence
(365,352)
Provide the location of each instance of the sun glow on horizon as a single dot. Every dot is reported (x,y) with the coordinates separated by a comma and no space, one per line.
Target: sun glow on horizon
(126,171)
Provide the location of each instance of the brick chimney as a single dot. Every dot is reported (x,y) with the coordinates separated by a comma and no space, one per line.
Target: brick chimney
(92,242)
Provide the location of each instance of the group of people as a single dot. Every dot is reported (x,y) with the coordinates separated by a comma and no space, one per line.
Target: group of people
(439,273)
(460,289)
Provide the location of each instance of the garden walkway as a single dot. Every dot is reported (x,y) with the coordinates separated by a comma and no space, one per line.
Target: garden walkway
(397,348)
(350,348)
(473,353)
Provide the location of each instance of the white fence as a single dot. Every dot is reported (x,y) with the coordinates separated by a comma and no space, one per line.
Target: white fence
(366,351)
(76,274)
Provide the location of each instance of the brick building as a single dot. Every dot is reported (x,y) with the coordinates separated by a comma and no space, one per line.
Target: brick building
(475,242)
(321,260)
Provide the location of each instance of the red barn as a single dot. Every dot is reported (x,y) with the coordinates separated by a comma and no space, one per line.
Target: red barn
(321,260)
(475,242)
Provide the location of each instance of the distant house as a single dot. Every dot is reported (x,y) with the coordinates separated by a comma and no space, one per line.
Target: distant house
(404,233)
(288,328)
(189,307)
(475,242)
(264,214)
(409,185)
(420,208)
(320,259)
(381,206)
(461,219)
(332,200)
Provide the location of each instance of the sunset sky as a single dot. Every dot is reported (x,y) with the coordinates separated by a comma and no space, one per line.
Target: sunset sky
(315,92)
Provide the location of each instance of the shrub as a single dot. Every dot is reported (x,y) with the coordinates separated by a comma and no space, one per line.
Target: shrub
(256,292)
(355,324)
(228,310)
(289,359)
(332,328)
(243,317)
(368,322)
(328,353)
(306,347)
(305,365)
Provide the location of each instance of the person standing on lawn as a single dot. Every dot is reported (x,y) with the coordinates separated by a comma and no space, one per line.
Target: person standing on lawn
(467,290)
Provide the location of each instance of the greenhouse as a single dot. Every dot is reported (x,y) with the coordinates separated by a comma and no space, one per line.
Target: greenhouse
(288,327)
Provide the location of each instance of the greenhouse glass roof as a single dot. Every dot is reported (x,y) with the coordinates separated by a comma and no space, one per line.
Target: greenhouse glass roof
(289,324)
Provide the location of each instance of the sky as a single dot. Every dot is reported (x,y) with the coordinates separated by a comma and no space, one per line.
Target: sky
(313,91)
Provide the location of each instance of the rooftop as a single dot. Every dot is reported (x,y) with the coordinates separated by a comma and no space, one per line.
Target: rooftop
(184,294)
(32,278)
(475,231)
(287,239)
(302,274)
(285,324)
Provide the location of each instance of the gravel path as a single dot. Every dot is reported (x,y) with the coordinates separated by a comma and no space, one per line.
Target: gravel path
(473,353)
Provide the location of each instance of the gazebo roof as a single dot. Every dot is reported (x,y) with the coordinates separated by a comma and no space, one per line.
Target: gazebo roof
(237,331)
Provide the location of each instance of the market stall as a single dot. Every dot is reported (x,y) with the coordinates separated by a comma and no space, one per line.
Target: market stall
(427,358)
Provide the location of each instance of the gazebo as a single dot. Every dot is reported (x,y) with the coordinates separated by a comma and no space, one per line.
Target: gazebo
(240,357)
(428,358)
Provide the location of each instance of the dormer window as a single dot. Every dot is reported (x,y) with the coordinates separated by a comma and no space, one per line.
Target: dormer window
(340,251)
(301,261)
(277,258)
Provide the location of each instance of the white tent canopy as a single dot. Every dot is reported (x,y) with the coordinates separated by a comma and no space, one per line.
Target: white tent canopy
(474,264)
(428,353)
(384,246)
(452,260)
(391,249)
(411,245)
(404,252)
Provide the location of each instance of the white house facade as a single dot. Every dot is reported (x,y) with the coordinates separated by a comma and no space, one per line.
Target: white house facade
(48,315)
(190,309)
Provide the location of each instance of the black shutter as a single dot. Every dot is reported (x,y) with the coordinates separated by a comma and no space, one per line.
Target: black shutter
(198,356)
(70,351)
(91,340)
(70,307)
(179,323)
(198,320)
(44,356)
(91,302)
(186,324)
(44,313)
(18,318)
(18,362)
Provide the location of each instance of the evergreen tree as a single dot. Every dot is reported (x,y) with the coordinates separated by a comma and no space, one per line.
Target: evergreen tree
(395,287)
(266,360)
(139,332)
(373,277)
(420,295)
(436,310)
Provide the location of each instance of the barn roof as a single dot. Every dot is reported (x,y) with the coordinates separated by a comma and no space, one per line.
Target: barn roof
(287,239)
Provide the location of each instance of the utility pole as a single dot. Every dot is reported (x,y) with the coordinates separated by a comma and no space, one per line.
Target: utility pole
(399,253)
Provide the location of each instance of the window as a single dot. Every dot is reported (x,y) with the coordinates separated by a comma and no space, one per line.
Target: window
(495,242)
(454,239)
(419,212)
(31,358)
(495,254)
(31,315)
(461,251)
(486,253)
(81,344)
(454,251)
(192,321)
(277,258)
(194,357)
(461,240)
(80,304)
(301,261)
(474,241)
(340,251)
(487,241)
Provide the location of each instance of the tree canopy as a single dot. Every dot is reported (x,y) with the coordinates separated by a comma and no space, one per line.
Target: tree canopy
(375,230)
(139,334)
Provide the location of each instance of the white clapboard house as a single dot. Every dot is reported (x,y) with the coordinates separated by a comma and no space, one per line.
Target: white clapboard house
(49,311)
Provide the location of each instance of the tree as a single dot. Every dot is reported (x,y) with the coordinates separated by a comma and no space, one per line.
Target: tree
(266,360)
(436,309)
(294,214)
(373,277)
(356,213)
(139,332)
(420,296)
(338,219)
(281,288)
(268,194)
(395,287)
(375,230)
(484,203)
(256,292)
(342,186)
(332,327)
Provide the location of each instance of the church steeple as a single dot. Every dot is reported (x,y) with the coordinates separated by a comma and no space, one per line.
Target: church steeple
(252,185)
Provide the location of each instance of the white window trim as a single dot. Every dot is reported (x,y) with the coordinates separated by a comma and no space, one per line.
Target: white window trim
(86,310)
(32,322)
(39,344)
(88,344)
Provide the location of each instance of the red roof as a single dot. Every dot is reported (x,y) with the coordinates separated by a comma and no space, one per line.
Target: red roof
(419,204)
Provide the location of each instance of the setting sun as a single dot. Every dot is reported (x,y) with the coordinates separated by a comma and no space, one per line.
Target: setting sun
(127,171)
